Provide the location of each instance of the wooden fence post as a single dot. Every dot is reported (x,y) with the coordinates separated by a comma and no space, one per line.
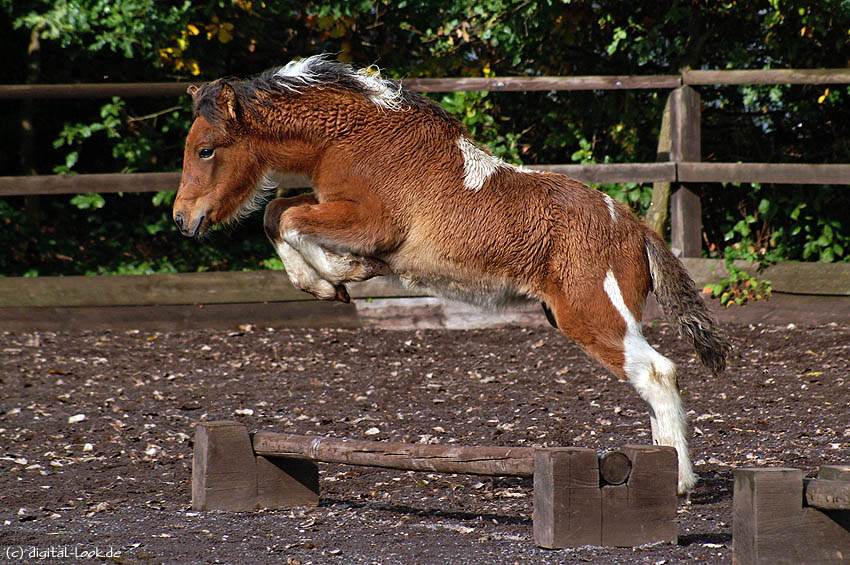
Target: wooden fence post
(679,140)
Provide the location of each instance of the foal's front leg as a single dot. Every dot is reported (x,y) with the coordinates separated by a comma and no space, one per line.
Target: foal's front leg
(312,266)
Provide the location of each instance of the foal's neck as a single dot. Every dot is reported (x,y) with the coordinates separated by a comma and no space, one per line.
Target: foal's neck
(299,129)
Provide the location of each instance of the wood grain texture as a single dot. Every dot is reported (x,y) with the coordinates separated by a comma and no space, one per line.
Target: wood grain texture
(567,498)
(109,183)
(768,76)
(614,172)
(224,475)
(506,84)
(829,279)
(219,287)
(643,510)
(776,173)
(686,223)
(505,461)
(771,526)
(175,318)
(825,494)
(615,468)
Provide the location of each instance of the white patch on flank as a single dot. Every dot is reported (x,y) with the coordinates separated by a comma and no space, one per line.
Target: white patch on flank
(654,378)
(611,207)
(384,93)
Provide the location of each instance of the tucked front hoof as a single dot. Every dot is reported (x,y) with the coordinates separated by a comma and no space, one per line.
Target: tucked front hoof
(376,267)
(271,219)
(342,294)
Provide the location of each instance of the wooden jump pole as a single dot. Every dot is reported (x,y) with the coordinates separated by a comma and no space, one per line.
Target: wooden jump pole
(782,518)
(624,498)
(503,461)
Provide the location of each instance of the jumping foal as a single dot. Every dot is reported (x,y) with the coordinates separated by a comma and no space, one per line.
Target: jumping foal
(400,189)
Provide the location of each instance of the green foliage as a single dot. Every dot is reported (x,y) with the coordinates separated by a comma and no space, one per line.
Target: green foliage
(129,28)
(90,201)
(153,40)
(738,287)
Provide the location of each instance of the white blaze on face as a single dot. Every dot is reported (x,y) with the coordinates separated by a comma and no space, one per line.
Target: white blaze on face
(654,378)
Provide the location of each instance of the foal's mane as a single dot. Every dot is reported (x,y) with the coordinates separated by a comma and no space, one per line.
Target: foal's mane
(316,72)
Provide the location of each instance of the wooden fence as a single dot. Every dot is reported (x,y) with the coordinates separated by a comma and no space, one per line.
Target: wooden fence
(678,163)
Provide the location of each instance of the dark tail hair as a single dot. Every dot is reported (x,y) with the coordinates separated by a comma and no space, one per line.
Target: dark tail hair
(674,290)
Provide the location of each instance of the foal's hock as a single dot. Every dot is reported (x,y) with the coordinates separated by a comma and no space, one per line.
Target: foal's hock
(400,189)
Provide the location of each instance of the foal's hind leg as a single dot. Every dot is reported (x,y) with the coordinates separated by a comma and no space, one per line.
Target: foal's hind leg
(320,268)
(612,335)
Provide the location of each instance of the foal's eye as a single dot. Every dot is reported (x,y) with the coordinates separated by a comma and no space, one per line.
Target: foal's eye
(206,153)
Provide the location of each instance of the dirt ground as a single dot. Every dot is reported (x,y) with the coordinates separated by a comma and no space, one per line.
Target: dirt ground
(96,436)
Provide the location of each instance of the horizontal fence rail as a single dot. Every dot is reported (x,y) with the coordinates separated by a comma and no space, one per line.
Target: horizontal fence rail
(503,84)
(683,171)
(234,287)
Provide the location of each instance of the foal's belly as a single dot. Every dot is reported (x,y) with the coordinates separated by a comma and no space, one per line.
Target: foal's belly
(461,284)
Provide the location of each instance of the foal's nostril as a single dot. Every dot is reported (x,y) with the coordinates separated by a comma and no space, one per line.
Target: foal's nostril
(178,219)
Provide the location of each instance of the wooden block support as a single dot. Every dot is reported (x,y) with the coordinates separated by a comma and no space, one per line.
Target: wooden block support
(573,506)
(224,475)
(625,498)
(643,509)
(227,475)
(772,526)
(567,509)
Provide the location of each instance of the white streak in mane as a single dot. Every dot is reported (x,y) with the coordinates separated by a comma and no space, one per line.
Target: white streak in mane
(478,165)
(384,93)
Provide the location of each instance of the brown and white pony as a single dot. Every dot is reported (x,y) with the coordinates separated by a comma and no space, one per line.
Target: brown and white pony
(400,189)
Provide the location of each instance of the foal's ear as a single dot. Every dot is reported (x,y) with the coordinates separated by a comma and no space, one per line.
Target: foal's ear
(227,100)
(192,90)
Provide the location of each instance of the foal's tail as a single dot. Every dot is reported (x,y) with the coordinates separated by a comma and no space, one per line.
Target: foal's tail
(675,293)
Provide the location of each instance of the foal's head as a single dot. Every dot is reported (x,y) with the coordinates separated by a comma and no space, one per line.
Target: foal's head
(246,130)
(222,174)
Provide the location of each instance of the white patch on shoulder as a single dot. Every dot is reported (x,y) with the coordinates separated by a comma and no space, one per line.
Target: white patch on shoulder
(478,165)
(654,378)
(611,207)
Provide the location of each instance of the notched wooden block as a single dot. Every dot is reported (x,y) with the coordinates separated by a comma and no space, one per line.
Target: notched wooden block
(643,509)
(224,475)
(567,510)
(772,525)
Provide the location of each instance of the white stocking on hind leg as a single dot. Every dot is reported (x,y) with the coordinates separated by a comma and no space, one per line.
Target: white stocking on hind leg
(622,348)
(654,378)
